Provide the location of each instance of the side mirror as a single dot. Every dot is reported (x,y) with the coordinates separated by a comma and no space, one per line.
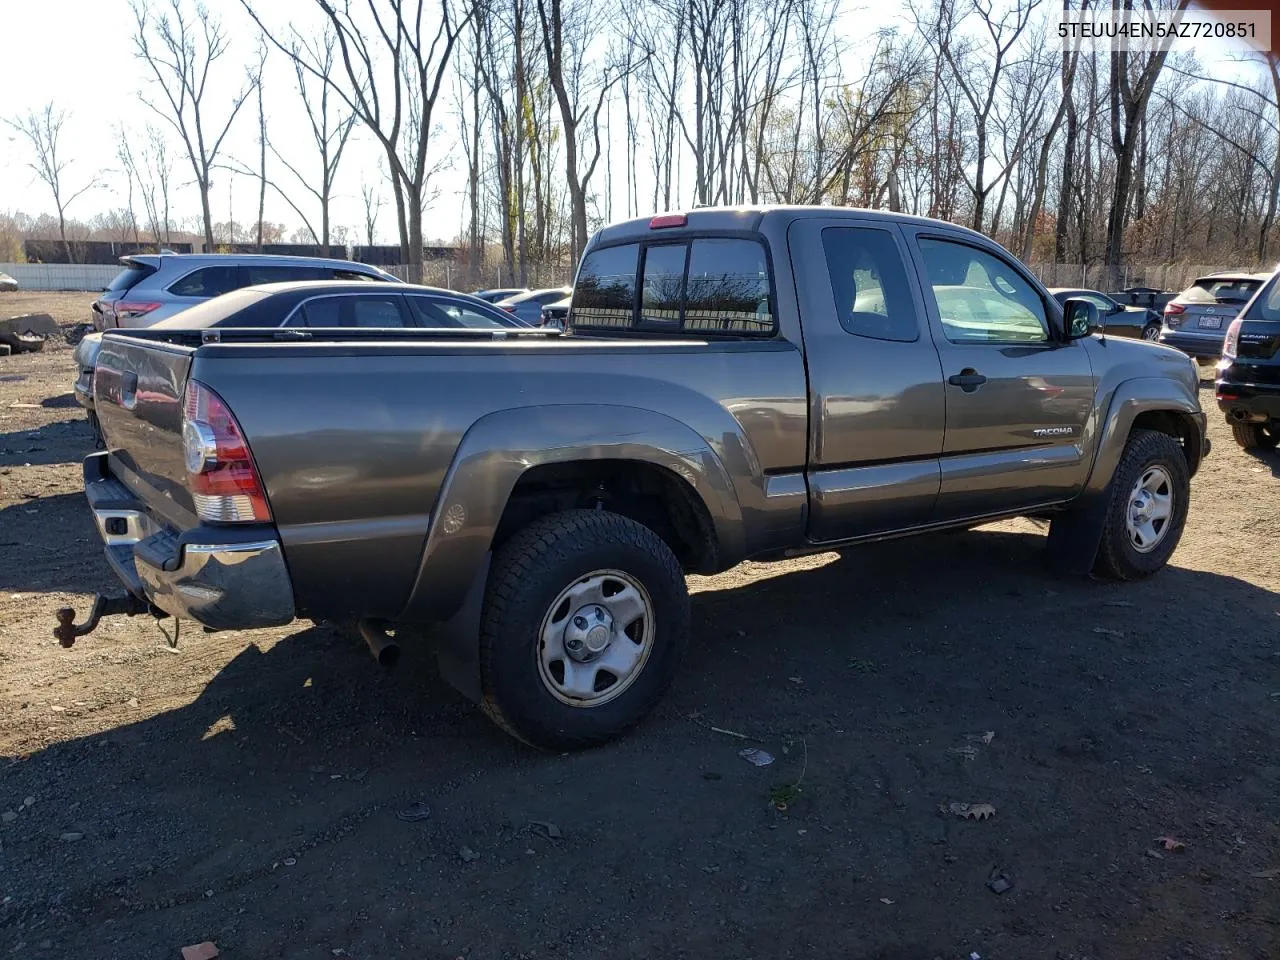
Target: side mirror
(1080,318)
(1117,308)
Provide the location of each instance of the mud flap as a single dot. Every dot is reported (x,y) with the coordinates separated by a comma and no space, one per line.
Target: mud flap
(458,639)
(1076,533)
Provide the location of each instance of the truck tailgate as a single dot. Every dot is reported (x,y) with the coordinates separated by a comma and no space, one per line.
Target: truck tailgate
(138,390)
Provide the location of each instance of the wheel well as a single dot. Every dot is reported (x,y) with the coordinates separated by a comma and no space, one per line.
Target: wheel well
(1177,425)
(643,492)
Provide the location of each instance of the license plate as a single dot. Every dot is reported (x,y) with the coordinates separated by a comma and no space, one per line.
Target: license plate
(1211,323)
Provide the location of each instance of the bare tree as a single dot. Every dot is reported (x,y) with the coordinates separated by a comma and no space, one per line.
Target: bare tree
(372,207)
(1132,81)
(330,129)
(394,93)
(181,51)
(42,130)
(255,78)
(568,28)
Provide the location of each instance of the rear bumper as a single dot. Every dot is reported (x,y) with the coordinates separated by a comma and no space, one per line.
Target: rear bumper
(1248,401)
(1208,344)
(223,578)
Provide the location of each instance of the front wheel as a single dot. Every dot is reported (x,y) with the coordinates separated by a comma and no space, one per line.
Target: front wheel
(1150,491)
(1256,436)
(586,617)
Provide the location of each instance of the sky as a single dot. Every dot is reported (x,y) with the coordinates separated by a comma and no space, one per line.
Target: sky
(80,54)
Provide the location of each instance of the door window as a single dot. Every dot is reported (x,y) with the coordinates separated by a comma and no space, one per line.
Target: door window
(207,282)
(432,312)
(869,283)
(256,273)
(981,298)
(348,311)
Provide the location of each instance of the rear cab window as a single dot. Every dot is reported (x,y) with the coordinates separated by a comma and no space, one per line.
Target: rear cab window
(703,286)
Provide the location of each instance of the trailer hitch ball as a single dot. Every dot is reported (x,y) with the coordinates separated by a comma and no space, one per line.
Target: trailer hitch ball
(68,631)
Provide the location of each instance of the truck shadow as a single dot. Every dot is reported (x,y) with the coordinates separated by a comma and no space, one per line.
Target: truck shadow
(1268,458)
(300,751)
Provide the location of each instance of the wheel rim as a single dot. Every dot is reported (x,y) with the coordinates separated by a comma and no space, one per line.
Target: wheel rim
(595,638)
(1151,333)
(1150,509)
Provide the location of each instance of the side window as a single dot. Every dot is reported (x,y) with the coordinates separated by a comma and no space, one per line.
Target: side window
(348,276)
(256,273)
(604,295)
(367,311)
(980,298)
(428,312)
(207,282)
(662,292)
(869,282)
(324,312)
(728,288)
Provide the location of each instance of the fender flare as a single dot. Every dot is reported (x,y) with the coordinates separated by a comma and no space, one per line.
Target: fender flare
(1074,536)
(502,446)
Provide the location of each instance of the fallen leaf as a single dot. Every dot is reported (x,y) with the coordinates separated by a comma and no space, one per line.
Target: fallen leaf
(984,738)
(200,951)
(971,811)
(886,900)
(1171,844)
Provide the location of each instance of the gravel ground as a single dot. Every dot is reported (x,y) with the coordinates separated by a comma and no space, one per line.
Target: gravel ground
(245,790)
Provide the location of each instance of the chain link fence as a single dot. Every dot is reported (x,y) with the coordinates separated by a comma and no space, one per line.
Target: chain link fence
(1170,277)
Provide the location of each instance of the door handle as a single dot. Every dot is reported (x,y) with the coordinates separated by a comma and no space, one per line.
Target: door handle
(967,380)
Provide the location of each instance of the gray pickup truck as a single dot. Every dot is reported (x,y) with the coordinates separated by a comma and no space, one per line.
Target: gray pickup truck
(734,383)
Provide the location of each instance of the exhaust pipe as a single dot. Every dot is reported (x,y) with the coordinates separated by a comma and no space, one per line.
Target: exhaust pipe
(381,644)
(1239,416)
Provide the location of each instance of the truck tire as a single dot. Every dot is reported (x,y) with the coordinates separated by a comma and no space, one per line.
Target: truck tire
(1150,491)
(585,619)
(1256,436)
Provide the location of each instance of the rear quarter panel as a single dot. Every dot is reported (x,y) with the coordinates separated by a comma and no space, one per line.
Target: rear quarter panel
(354,441)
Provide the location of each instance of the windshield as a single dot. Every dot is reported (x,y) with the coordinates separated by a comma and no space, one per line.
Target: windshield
(1221,290)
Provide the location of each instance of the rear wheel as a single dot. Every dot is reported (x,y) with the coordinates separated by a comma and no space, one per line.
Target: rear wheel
(1151,332)
(586,617)
(1256,436)
(1149,496)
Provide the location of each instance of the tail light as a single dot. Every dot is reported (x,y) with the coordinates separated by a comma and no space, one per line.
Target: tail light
(128,309)
(221,474)
(1172,313)
(1232,342)
(665,221)
(509,309)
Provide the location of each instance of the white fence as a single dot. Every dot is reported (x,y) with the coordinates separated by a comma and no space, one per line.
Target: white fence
(60,276)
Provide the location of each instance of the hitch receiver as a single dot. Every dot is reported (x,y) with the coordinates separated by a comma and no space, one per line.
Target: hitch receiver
(68,630)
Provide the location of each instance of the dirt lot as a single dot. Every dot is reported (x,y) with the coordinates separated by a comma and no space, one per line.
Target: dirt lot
(245,790)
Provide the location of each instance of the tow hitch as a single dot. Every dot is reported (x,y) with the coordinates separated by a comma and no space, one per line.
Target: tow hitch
(68,630)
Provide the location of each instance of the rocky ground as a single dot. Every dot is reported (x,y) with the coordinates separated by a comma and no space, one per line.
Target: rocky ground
(245,790)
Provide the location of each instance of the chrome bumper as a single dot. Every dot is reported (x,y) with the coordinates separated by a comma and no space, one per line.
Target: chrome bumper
(225,586)
(224,578)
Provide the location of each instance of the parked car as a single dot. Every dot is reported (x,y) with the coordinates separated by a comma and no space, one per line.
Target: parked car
(528,306)
(1196,320)
(323,303)
(1117,319)
(155,287)
(738,383)
(1248,381)
(556,314)
(7,283)
(501,293)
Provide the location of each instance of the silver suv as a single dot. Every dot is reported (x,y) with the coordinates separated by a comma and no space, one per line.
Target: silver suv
(154,287)
(151,287)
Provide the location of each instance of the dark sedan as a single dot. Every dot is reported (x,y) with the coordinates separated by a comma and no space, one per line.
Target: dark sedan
(323,303)
(1119,320)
